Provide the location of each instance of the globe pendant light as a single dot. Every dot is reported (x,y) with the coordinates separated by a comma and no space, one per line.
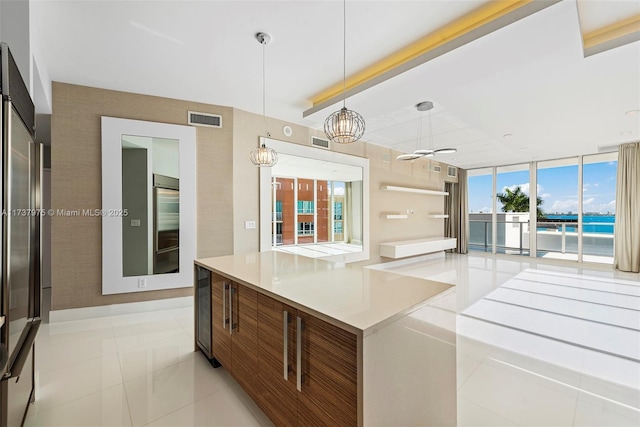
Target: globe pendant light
(262,155)
(344,126)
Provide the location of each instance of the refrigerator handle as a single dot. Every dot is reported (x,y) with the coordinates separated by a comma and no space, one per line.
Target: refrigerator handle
(16,367)
(4,356)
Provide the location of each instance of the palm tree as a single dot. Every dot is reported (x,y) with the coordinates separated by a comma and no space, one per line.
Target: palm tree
(517,201)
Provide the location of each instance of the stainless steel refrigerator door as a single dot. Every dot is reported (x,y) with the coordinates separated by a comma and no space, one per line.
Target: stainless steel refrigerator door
(166,230)
(19,263)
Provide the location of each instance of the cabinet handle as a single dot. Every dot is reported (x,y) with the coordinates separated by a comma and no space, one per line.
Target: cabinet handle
(230,309)
(224,305)
(299,353)
(285,345)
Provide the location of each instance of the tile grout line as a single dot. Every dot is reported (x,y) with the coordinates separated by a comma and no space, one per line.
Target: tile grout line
(571,316)
(568,298)
(226,386)
(124,388)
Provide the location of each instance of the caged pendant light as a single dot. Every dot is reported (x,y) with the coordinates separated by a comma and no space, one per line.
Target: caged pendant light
(262,155)
(344,126)
(429,152)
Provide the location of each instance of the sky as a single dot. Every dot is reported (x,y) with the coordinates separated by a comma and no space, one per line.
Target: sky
(557,186)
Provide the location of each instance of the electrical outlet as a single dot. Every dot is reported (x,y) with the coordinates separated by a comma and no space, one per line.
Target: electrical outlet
(142,282)
(249,225)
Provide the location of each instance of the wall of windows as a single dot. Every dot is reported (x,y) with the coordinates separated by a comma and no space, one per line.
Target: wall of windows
(512,201)
(573,216)
(480,209)
(307,211)
(599,173)
(557,226)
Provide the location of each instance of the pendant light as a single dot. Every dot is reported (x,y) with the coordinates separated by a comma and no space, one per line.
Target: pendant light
(344,126)
(429,152)
(262,155)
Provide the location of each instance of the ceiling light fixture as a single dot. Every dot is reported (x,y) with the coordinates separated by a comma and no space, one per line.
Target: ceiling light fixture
(632,112)
(344,126)
(262,155)
(429,152)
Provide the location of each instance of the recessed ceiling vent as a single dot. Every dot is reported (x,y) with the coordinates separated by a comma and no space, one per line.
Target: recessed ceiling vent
(204,119)
(320,142)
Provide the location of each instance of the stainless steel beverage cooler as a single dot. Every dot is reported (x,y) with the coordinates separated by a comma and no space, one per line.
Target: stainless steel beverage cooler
(20,251)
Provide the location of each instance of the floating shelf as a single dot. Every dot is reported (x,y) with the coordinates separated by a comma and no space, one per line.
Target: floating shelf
(394,216)
(413,190)
(438,216)
(407,248)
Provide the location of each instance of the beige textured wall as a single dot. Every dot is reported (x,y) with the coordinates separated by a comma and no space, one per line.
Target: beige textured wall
(414,174)
(76,184)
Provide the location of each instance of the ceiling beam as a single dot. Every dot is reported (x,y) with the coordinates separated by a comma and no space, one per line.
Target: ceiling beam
(612,36)
(480,22)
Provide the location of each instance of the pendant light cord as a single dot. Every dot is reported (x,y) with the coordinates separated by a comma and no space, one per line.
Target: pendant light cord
(430,132)
(419,140)
(264,88)
(344,53)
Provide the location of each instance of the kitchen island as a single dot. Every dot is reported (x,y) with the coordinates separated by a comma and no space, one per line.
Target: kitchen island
(315,342)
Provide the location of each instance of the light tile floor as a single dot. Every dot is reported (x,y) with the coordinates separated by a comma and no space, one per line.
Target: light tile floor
(133,370)
(140,369)
(538,343)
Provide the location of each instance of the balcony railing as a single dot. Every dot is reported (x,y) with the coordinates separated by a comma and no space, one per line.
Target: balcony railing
(553,236)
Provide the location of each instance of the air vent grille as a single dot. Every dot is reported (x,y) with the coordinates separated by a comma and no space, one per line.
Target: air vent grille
(204,119)
(320,142)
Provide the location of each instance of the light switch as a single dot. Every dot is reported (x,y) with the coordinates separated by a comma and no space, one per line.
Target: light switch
(249,225)
(135,223)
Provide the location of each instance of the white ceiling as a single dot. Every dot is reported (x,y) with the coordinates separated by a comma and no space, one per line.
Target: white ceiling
(529,79)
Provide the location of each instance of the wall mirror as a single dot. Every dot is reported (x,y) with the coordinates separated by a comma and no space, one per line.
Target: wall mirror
(148,205)
(315,203)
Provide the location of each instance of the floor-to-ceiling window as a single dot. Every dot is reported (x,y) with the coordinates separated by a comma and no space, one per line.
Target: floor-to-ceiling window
(557,229)
(512,207)
(337,201)
(323,212)
(599,173)
(308,211)
(283,218)
(480,201)
(574,218)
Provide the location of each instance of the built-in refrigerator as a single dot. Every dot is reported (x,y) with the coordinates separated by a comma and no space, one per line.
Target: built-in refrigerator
(20,271)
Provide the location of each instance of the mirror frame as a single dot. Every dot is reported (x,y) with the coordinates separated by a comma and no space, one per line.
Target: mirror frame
(113,129)
(318,154)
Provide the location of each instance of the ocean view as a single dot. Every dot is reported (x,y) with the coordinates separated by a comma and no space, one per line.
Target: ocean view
(591,223)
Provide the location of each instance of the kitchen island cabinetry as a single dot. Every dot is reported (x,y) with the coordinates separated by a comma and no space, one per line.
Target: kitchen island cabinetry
(234,324)
(317,343)
(307,368)
(277,394)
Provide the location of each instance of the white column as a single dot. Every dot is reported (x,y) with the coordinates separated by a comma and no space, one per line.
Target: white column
(533,209)
(494,210)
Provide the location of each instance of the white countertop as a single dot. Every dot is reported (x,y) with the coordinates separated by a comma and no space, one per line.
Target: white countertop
(356,297)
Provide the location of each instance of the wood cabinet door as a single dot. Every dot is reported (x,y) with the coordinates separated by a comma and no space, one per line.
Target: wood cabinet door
(244,337)
(329,369)
(276,396)
(221,345)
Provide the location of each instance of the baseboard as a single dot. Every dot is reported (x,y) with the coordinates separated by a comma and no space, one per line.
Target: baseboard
(440,255)
(116,309)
